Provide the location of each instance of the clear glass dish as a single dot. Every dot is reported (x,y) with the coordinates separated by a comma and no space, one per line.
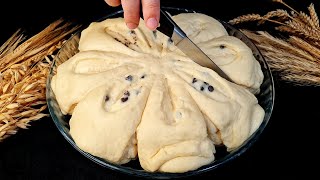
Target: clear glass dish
(265,98)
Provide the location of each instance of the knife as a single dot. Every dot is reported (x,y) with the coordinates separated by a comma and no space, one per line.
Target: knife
(180,39)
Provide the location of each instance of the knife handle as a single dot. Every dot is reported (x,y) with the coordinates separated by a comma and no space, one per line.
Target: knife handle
(167,25)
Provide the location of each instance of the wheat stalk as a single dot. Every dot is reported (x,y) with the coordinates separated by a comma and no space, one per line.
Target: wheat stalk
(295,57)
(287,59)
(24,67)
(302,44)
(307,19)
(245,18)
(252,17)
(313,15)
(285,4)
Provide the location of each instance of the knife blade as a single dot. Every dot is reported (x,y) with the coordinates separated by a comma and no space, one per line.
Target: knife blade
(180,39)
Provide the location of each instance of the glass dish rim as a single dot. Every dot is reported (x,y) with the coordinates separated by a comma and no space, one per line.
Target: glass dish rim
(160,175)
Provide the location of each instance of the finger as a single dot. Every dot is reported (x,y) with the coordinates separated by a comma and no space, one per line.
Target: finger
(113,3)
(131,9)
(151,13)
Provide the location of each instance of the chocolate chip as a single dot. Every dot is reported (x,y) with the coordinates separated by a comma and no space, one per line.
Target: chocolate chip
(222,46)
(154,34)
(127,43)
(117,39)
(124,99)
(194,80)
(127,93)
(129,78)
(210,88)
(106,98)
(132,32)
(202,88)
(205,83)
(143,76)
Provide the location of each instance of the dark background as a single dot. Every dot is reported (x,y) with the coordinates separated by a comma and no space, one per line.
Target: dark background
(285,148)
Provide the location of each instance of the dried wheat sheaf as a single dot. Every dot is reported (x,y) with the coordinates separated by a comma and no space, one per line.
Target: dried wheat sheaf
(24,66)
(295,57)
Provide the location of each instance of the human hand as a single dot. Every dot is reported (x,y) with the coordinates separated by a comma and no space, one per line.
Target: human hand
(131,9)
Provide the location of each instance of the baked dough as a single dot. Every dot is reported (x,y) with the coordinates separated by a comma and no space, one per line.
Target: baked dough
(132,94)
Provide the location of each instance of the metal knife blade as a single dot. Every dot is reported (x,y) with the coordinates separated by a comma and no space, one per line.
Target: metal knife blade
(180,39)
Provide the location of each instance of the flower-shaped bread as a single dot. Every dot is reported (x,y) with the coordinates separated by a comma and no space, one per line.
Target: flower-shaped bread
(133,94)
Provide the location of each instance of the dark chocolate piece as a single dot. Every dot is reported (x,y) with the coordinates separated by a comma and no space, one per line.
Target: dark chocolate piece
(129,78)
(210,88)
(194,80)
(127,93)
(124,99)
(106,98)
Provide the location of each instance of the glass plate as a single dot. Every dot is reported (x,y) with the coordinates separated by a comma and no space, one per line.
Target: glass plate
(265,98)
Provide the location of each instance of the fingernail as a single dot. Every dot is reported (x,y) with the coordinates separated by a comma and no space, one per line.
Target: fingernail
(152,23)
(131,25)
